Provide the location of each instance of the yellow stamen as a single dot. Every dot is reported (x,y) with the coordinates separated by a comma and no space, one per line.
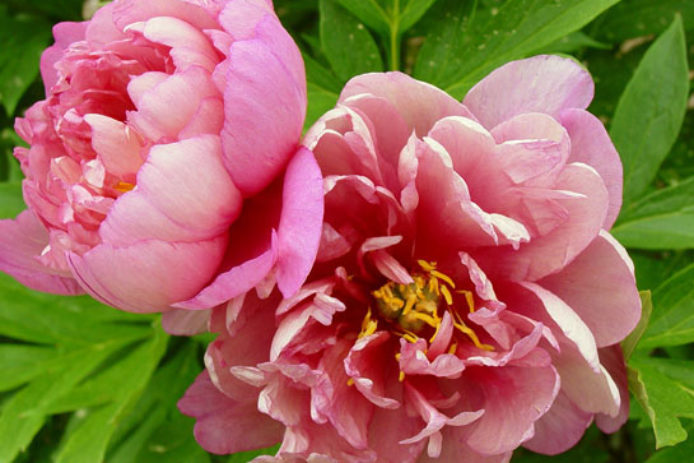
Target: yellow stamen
(350,382)
(444,277)
(401,376)
(408,336)
(123,187)
(453,348)
(463,328)
(368,326)
(447,295)
(427,266)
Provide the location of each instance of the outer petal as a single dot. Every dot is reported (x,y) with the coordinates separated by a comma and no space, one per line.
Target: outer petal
(301,221)
(600,286)
(225,425)
(21,242)
(261,128)
(591,144)
(560,428)
(419,103)
(147,276)
(613,359)
(545,84)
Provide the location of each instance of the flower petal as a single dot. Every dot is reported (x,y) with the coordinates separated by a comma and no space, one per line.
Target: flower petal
(543,83)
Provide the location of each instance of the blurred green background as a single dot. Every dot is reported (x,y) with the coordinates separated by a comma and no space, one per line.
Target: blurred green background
(82,382)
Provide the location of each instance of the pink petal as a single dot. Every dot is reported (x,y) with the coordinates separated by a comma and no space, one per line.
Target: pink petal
(546,84)
(116,145)
(126,12)
(591,144)
(147,276)
(21,242)
(183,91)
(224,425)
(364,364)
(261,128)
(300,224)
(514,398)
(586,207)
(606,300)
(170,203)
(229,284)
(560,428)
(419,103)
(65,34)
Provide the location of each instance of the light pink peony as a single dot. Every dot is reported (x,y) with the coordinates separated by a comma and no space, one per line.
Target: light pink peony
(467,298)
(164,167)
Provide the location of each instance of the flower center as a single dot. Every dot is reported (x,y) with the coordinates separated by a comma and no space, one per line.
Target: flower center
(413,309)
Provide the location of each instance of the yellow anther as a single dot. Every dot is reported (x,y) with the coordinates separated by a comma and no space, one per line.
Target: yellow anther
(444,277)
(463,328)
(408,335)
(401,376)
(368,326)
(123,187)
(411,299)
(434,286)
(397,356)
(453,348)
(428,319)
(436,332)
(350,382)
(447,295)
(427,266)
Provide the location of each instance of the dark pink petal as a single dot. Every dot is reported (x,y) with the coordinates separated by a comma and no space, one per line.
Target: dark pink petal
(232,283)
(365,365)
(419,103)
(300,228)
(21,242)
(147,276)
(591,144)
(225,425)
(560,428)
(600,286)
(546,84)
(261,128)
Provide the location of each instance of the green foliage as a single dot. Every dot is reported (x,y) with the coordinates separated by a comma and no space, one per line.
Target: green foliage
(650,112)
(465,44)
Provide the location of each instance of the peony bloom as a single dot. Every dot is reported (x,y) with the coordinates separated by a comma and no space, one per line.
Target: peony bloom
(467,298)
(164,167)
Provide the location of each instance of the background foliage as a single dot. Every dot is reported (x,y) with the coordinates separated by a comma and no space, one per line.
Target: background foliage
(85,383)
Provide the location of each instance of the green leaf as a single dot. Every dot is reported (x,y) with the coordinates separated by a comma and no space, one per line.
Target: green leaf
(320,100)
(388,16)
(465,44)
(672,321)
(127,378)
(677,454)
(347,44)
(637,18)
(11,200)
(631,341)
(75,354)
(665,390)
(23,38)
(244,457)
(661,220)
(651,109)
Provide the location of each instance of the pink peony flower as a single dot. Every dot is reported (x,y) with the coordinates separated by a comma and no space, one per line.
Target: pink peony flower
(467,298)
(164,167)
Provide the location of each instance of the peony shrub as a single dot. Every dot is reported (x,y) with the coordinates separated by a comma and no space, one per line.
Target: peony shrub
(467,297)
(164,164)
